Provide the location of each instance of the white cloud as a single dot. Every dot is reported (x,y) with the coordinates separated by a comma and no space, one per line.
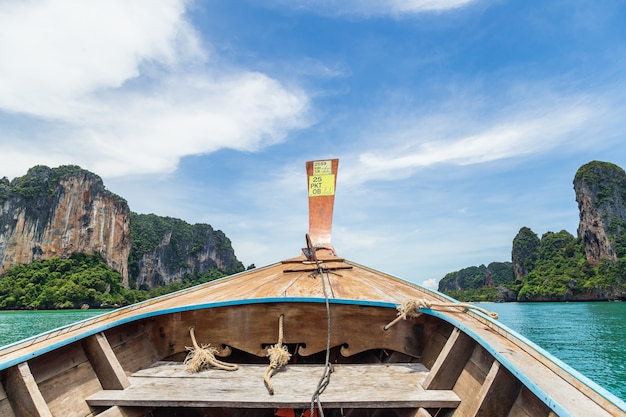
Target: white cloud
(431,283)
(127,87)
(56,51)
(465,137)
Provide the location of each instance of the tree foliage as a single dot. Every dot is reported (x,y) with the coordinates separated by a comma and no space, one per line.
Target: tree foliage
(62,283)
(177,241)
(76,281)
(476,277)
(524,252)
(559,271)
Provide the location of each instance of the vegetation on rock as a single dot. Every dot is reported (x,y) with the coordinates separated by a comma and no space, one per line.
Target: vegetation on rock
(478,283)
(168,254)
(179,244)
(79,281)
(556,267)
(64,283)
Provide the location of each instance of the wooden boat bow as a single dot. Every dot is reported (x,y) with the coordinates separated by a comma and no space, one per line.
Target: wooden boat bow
(448,362)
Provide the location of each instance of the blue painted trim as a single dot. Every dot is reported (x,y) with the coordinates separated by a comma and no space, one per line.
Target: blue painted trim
(556,407)
(124,320)
(541,394)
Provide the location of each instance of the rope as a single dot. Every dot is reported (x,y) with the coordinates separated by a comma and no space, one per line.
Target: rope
(410,309)
(328,369)
(203,357)
(279,356)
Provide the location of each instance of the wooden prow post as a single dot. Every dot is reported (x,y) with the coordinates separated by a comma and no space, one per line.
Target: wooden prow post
(321,180)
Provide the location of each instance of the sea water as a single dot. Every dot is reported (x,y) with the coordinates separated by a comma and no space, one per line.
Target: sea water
(589,337)
(18,325)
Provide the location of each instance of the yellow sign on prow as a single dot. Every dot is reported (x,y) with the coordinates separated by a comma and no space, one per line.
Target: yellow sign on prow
(322,182)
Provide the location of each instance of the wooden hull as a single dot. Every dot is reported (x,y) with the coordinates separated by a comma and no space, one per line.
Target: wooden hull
(445,362)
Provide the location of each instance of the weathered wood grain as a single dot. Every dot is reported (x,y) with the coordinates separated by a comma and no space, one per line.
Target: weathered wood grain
(104,362)
(116,411)
(252,327)
(5,406)
(23,392)
(351,386)
(450,362)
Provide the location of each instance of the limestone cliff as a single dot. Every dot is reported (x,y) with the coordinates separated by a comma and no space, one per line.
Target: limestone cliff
(560,266)
(57,212)
(168,249)
(601,195)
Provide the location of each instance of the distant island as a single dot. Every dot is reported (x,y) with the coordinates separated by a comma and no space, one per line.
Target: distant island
(68,242)
(559,266)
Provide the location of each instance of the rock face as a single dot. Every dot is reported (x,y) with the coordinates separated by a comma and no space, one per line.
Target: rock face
(56,212)
(173,249)
(59,211)
(524,252)
(601,195)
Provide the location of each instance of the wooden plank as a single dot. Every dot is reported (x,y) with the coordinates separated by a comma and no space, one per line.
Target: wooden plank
(496,395)
(64,377)
(104,362)
(528,405)
(351,386)
(5,406)
(124,412)
(501,393)
(252,327)
(65,394)
(23,392)
(420,412)
(450,362)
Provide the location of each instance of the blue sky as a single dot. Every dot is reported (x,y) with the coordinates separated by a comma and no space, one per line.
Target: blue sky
(456,122)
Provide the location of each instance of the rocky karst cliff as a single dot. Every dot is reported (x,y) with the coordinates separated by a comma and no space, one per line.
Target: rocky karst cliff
(59,211)
(601,195)
(559,266)
(168,249)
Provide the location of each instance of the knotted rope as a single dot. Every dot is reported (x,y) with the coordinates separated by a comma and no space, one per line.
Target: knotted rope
(203,357)
(279,357)
(410,309)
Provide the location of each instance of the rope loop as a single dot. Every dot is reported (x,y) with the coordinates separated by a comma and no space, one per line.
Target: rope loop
(279,356)
(411,309)
(203,357)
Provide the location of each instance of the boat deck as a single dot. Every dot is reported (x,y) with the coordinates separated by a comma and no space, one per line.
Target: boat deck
(168,384)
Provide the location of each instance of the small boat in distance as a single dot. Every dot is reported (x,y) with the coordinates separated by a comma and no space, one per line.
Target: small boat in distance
(314,335)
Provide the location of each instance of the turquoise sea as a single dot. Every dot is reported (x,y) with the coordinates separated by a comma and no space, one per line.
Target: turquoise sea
(18,325)
(589,337)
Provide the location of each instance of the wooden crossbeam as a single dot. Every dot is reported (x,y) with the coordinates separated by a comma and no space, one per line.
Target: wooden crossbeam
(23,392)
(104,362)
(450,362)
(351,386)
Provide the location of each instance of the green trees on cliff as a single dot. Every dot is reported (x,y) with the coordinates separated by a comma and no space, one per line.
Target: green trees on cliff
(81,280)
(64,283)
(550,268)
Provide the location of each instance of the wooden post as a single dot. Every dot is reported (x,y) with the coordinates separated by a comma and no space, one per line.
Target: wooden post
(450,362)
(497,394)
(23,392)
(321,180)
(104,362)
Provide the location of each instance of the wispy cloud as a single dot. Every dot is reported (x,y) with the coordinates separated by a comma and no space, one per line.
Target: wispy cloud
(127,88)
(465,136)
(367,8)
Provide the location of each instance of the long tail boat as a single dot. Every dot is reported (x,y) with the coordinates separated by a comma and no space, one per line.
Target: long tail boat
(315,335)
